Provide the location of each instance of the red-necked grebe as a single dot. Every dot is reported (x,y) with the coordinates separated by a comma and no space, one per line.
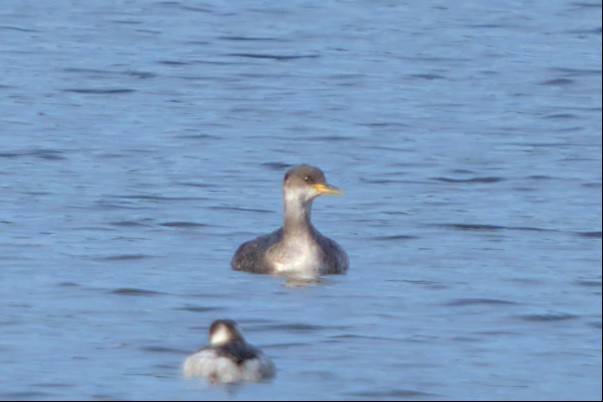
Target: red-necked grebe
(297,248)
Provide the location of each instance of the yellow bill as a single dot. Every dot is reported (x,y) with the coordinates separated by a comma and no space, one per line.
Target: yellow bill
(327,189)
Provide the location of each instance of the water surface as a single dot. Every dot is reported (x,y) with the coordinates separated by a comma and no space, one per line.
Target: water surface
(141,143)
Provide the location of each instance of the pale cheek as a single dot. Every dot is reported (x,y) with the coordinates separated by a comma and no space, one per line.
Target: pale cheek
(221,336)
(299,195)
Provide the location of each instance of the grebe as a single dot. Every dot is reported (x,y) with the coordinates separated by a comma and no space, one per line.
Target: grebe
(297,248)
(228,358)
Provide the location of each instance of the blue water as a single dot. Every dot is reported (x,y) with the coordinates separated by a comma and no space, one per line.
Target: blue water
(142,142)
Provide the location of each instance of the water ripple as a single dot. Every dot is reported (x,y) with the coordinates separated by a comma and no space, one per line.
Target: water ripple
(240,209)
(429,77)
(93,71)
(273,56)
(183,225)
(589,284)
(555,116)
(594,4)
(552,317)
(474,226)
(383,125)
(68,285)
(174,62)
(288,345)
(197,137)
(397,394)
(135,292)
(486,227)
(296,327)
(276,165)
(124,257)
(251,39)
(577,72)
(470,180)
(99,91)
(46,154)
(29,395)
(590,235)
(128,224)
(395,237)
(15,28)
(331,138)
(198,309)
(159,198)
(163,349)
(478,301)
(421,282)
(558,82)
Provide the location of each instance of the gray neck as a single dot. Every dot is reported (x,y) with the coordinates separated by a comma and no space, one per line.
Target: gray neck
(297,217)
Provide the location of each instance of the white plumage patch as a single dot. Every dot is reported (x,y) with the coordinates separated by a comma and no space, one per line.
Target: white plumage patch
(221,336)
(301,257)
(207,363)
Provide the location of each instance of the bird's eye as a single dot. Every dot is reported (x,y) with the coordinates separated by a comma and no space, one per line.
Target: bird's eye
(307,179)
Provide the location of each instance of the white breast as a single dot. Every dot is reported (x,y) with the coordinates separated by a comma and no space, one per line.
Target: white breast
(207,363)
(302,258)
